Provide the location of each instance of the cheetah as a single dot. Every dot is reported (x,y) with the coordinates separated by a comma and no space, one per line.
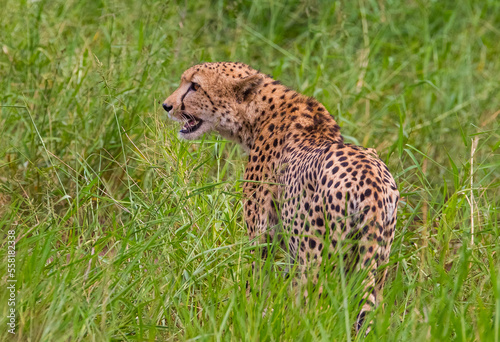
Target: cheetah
(301,178)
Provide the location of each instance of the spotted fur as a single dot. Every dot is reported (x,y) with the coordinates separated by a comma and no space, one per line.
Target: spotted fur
(304,182)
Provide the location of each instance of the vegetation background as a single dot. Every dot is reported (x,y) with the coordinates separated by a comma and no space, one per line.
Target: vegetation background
(126,233)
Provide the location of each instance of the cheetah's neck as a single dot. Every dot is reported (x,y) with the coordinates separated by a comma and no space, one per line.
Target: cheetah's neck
(278,112)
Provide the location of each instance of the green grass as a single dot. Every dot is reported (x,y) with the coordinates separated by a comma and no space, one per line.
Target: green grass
(124,232)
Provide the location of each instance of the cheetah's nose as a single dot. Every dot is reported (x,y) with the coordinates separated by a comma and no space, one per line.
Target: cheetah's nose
(167,107)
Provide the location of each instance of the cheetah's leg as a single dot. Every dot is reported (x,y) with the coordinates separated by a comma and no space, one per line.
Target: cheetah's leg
(261,220)
(309,266)
(369,298)
(388,236)
(374,249)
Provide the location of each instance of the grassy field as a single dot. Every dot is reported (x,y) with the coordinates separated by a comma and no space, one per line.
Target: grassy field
(125,233)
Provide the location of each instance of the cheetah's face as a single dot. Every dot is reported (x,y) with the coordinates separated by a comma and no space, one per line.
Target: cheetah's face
(207,100)
(190,105)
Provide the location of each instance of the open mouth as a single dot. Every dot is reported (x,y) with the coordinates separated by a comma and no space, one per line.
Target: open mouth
(192,124)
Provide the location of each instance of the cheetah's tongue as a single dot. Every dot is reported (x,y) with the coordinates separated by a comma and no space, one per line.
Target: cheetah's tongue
(191,123)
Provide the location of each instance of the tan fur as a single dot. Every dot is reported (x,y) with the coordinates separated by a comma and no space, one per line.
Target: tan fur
(304,181)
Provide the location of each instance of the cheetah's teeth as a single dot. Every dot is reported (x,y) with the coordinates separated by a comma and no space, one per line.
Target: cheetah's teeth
(191,125)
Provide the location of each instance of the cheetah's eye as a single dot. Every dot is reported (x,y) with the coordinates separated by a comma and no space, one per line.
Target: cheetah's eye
(194,86)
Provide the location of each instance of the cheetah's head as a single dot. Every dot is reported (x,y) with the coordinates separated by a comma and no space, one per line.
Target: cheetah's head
(213,96)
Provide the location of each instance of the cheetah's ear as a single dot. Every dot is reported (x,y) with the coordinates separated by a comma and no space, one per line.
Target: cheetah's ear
(246,86)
